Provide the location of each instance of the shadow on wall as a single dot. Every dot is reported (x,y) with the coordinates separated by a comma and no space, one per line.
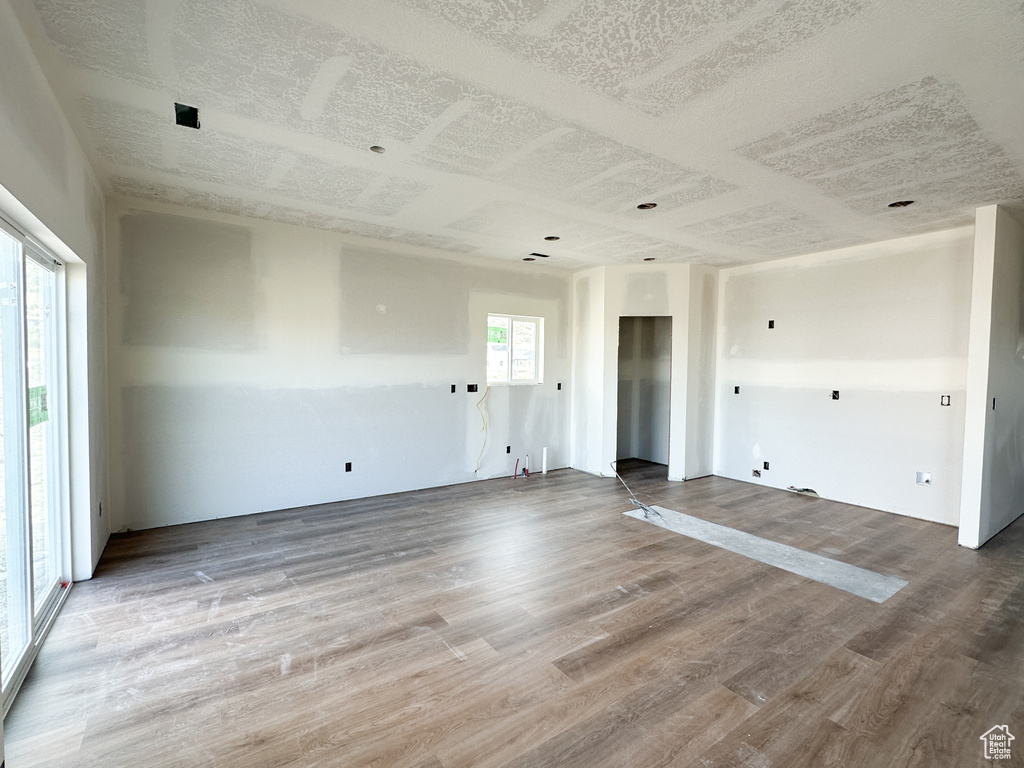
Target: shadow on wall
(1007,473)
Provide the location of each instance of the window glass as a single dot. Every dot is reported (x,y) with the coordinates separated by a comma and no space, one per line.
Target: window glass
(514,349)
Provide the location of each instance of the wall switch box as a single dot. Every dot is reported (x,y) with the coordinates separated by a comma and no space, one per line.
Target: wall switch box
(944,400)
(771,324)
(508,449)
(453,389)
(735,390)
(471,388)
(348,466)
(835,394)
(559,386)
(766,465)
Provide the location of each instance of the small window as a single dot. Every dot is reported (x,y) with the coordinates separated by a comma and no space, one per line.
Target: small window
(515,349)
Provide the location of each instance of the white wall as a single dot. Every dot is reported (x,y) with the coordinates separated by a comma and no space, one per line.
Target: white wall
(993,472)
(885,325)
(250,361)
(700,372)
(589,389)
(49,190)
(644,380)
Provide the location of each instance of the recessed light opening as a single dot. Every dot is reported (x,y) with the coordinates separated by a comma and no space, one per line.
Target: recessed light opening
(901,203)
(552,238)
(647,206)
(186,116)
(541,255)
(378,149)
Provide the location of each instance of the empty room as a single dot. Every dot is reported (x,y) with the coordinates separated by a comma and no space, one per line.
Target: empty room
(511,383)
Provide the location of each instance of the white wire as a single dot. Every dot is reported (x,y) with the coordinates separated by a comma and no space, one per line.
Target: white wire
(483,417)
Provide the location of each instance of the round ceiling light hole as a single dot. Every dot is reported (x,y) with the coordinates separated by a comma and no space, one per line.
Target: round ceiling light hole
(901,203)
(528,258)
(647,206)
(649,258)
(378,149)
(552,238)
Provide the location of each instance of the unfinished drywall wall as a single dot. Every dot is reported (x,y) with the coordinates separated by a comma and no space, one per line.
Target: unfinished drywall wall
(884,327)
(602,296)
(325,350)
(49,191)
(645,376)
(993,482)
(648,290)
(588,372)
(700,372)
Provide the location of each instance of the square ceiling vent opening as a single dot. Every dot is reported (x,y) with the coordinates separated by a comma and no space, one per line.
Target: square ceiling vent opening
(186,115)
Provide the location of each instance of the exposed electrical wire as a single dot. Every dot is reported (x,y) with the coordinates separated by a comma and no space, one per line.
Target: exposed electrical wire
(483,418)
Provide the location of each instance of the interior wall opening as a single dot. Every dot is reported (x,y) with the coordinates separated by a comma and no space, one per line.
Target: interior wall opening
(644,389)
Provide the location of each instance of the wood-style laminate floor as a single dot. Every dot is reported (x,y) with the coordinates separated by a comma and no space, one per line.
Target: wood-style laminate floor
(529,623)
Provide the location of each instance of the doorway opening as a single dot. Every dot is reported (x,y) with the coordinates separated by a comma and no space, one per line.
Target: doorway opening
(644,393)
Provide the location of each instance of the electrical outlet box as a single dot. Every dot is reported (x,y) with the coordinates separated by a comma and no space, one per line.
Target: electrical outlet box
(771,324)
(508,449)
(559,386)
(757,473)
(835,394)
(735,390)
(471,388)
(766,465)
(348,466)
(453,389)
(924,478)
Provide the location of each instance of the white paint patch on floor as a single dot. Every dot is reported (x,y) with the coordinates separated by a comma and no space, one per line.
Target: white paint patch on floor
(858,581)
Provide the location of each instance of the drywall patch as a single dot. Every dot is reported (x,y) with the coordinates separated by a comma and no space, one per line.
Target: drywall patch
(427,304)
(142,139)
(294,454)
(646,294)
(864,154)
(770,229)
(847,309)
(168,193)
(342,186)
(593,170)
(792,23)
(103,35)
(633,247)
(187,283)
(515,221)
(592,42)
(673,186)
(490,127)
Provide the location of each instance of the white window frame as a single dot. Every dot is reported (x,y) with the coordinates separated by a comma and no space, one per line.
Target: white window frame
(538,352)
(43,615)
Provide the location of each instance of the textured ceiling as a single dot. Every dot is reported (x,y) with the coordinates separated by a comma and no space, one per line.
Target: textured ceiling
(761,128)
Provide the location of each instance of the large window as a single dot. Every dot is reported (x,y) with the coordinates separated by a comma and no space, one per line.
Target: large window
(515,349)
(33,514)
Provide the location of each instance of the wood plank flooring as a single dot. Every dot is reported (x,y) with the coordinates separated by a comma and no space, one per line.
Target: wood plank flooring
(529,623)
